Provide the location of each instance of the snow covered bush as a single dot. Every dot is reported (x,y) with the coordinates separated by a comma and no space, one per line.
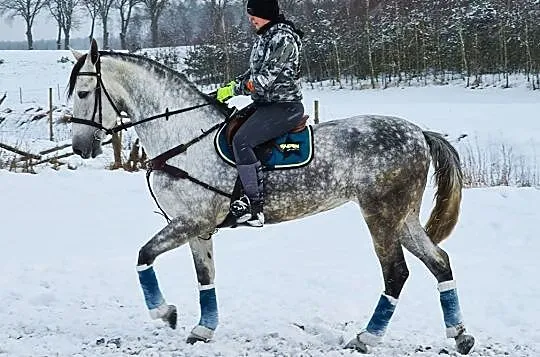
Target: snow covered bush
(497,165)
(65,59)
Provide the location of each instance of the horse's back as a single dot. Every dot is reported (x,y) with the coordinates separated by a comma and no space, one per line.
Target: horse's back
(360,159)
(373,142)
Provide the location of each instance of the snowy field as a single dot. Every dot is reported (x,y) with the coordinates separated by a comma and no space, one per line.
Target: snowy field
(70,240)
(68,282)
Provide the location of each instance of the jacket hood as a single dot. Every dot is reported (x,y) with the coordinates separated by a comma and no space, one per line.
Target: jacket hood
(281,20)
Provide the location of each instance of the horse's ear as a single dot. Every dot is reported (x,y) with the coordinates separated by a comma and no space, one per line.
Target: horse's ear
(94,52)
(78,55)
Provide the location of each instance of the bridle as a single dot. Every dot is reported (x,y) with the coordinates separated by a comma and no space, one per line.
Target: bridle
(98,106)
(159,163)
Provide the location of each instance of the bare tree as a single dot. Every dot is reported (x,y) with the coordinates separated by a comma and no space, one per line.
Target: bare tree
(56,13)
(100,8)
(27,9)
(217,21)
(369,45)
(63,12)
(70,20)
(93,9)
(125,7)
(104,8)
(154,9)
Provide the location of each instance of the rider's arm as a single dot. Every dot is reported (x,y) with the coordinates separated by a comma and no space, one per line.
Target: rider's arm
(242,80)
(280,52)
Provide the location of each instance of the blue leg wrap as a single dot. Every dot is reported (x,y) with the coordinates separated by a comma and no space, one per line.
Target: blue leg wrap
(450,307)
(150,288)
(382,315)
(209,309)
(451,310)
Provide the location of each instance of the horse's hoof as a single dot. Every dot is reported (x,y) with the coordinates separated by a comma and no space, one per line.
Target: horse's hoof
(192,339)
(357,345)
(200,334)
(464,343)
(171,316)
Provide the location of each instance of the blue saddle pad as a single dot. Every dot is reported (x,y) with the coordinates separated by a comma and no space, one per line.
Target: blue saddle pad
(289,151)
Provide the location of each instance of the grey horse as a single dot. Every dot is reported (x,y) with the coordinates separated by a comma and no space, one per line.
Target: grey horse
(379,162)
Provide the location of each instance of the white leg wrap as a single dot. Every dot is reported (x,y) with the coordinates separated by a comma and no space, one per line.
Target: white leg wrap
(143,267)
(203,332)
(391,299)
(159,311)
(206,287)
(368,338)
(455,331)
(446,285)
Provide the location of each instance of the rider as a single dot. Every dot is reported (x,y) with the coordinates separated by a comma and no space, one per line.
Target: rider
(272,82)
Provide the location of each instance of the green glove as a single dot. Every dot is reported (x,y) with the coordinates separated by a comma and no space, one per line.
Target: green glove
(225,93)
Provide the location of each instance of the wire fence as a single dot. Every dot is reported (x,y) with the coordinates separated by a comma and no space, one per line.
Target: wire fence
(24,95)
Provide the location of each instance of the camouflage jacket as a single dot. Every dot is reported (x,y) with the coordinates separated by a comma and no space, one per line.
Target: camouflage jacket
(274,66)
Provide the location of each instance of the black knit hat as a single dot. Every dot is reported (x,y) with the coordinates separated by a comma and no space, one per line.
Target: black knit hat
(266,9)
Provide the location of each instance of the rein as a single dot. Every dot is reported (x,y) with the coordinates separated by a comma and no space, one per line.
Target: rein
(158,163)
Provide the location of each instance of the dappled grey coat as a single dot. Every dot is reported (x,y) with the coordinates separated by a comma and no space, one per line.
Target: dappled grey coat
(274,66)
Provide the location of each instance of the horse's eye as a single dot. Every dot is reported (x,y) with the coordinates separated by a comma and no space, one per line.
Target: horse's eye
(82,94)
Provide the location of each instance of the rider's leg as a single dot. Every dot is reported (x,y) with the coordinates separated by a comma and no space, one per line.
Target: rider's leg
(268,122)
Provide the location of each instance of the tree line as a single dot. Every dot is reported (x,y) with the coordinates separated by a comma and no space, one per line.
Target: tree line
(378,41)
(389,41)
(72,14)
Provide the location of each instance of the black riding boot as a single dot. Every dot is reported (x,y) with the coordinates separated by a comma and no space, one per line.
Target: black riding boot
(248,209)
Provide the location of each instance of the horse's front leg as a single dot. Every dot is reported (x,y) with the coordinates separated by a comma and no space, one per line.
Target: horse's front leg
(203,258)
(175,234)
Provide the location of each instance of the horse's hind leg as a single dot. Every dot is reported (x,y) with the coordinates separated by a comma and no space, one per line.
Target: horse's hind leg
(438,263)
(203,258)
(385,234)
(174,235)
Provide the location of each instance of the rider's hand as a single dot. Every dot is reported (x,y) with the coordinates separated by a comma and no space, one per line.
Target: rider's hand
(226,92)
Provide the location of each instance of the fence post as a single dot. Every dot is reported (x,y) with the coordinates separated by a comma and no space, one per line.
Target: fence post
(58,90)
(316,112)
(20,94)
(50,114)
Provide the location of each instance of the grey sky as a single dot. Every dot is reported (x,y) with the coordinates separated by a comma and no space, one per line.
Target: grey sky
(44,29)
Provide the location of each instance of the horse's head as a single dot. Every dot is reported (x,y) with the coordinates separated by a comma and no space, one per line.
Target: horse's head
(92,111)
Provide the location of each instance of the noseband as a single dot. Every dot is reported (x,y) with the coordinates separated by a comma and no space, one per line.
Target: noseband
(98,106)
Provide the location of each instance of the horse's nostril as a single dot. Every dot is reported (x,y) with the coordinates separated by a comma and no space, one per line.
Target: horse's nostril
(82,94)
(77,151)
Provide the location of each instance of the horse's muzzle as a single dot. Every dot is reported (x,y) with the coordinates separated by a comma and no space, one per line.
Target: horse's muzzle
(86,149)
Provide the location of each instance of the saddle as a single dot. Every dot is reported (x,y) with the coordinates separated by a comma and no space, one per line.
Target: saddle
(240,118)
(291,150)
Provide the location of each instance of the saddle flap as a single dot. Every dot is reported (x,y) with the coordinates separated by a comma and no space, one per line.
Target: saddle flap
(302,125)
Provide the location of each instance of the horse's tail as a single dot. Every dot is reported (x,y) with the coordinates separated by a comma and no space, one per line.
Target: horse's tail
(449,180)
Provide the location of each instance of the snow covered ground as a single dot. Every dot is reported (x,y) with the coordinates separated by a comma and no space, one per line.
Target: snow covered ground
(70,241)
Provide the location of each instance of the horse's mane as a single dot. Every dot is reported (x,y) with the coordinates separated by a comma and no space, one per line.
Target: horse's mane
(146,62)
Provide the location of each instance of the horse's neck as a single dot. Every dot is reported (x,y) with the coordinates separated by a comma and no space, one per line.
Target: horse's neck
(147,95)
